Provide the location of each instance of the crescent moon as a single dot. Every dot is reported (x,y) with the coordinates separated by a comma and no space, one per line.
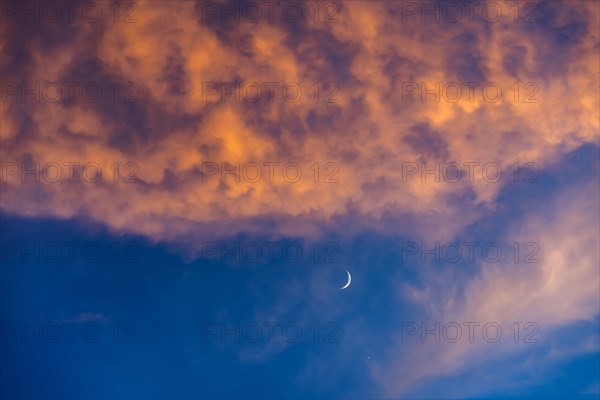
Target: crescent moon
(349,280)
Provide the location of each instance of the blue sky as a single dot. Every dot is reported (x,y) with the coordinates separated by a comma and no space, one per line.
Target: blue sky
(166,305)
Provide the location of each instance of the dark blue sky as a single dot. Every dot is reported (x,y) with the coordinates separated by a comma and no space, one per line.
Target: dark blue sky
(163,319)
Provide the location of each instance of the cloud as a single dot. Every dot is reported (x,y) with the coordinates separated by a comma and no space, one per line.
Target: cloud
(172,132)
(559,291)
(373,66)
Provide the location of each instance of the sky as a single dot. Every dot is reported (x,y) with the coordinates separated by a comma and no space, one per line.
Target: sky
(186,188)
